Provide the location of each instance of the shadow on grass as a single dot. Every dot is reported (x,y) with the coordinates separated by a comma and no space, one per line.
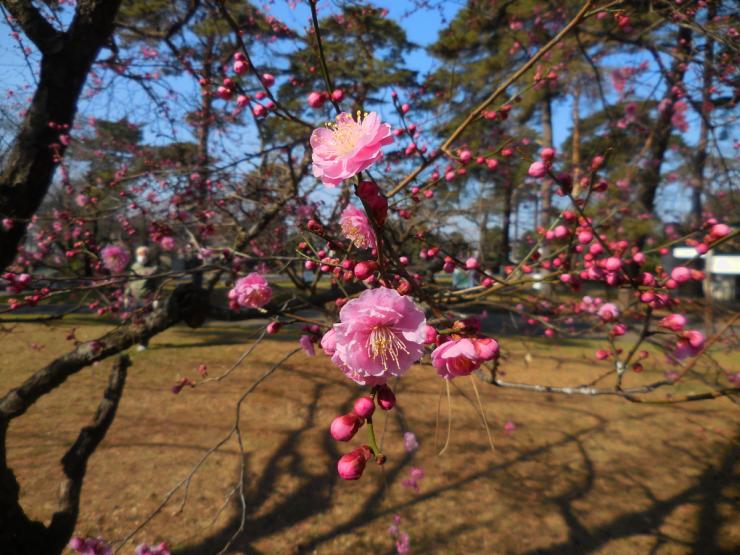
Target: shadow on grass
(312,496)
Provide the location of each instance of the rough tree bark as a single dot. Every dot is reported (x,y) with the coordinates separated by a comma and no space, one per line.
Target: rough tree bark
(649,178)
(505,255)
(66,60)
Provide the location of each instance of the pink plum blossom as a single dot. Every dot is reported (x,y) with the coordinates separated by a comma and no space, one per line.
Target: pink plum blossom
(673,322)
(306,344)
(145,549)
(251,291)
(347,147)
(608,312)
(462,356)
(356,227)
(410,443)
(114,258)
(381,334)
(90,546)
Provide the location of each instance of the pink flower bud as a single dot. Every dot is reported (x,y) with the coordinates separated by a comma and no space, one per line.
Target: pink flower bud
(613,264)
(273,328)
(352,465)
(681,274)
(537,169)
(720,230)
(471,263)
(619,329)
(344,428)
(673,322)
(602,354)
(240,67)
(337,95)
(268,80)
(385,397)
(364,407)
(548,154)
(585,237)
(364,270)
(561,232)
(316,99)
(431,335)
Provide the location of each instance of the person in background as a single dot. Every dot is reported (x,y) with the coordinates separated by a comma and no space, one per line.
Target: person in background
(139,291)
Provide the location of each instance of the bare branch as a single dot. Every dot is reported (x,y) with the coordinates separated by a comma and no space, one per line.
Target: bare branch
(74,462)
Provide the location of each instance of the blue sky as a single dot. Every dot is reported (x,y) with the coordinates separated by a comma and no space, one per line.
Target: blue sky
(422,27)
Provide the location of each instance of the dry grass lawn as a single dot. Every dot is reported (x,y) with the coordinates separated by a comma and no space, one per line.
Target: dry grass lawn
(578,475)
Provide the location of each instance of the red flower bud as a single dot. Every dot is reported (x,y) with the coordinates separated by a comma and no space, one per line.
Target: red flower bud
(344,428)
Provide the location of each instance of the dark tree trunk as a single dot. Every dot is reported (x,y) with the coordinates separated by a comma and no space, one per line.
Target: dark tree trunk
(505,256)
(67,57)
(648,178)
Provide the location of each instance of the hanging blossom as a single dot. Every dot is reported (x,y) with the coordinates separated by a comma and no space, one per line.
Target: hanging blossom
(356,227)
(381,334)
(114,258)
(144,549)
(347,147)
(460,357)
(251,291)
(90,546)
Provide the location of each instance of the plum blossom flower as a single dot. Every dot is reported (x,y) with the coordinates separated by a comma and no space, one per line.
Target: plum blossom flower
(460,357)
(673,322)
(608,312)
(114,258)
(690,345)
(415,476)
(145,549)
(251,291)
(410,443)
(356,227)
(90,546)
(347,147)
(306,344)
(381,334)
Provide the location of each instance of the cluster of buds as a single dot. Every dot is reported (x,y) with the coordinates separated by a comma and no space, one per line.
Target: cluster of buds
(374,199)
(344,427)
(16,282)
(317,99)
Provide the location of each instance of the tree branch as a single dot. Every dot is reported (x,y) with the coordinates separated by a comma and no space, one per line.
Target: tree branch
(74,462)
(34,25)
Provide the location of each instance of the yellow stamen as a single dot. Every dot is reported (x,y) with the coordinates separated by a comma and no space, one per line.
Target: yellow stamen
(385,344)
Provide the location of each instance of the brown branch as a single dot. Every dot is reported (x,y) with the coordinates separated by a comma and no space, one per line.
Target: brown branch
(74,462)
(34,25)
(186,303)
(495,94)
(27,170)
